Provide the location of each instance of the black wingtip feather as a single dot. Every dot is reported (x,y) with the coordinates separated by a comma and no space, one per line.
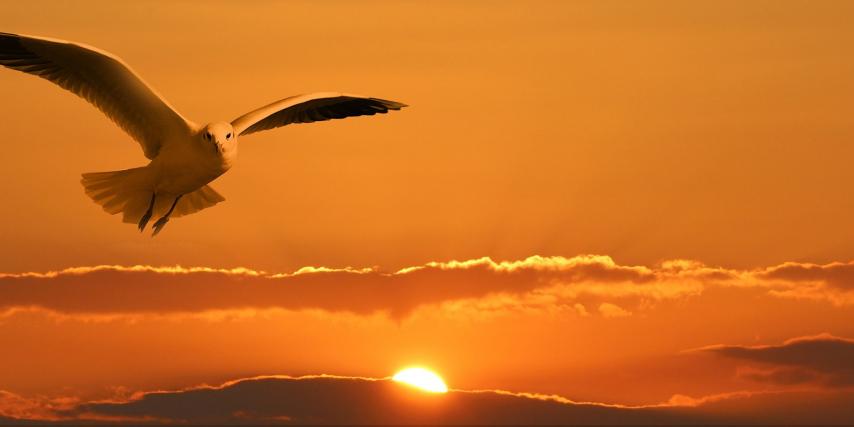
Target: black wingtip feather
(391,105)
(10,45)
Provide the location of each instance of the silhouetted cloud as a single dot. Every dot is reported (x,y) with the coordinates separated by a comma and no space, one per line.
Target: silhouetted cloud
(349,400)
(591,281)
(778,408)
(820,359)
(346,400)
(9,421)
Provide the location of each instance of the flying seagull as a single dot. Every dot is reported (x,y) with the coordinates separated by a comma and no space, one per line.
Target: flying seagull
(184,156)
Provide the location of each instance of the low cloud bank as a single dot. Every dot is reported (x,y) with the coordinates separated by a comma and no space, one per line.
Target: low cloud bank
(348,400)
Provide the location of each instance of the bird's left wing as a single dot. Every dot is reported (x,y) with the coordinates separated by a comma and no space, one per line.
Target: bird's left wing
(309,108)
(102,79)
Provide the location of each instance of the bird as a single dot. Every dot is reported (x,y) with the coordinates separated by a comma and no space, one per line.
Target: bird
(184,157)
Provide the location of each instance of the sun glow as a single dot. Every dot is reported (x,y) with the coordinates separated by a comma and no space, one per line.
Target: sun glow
(421,378)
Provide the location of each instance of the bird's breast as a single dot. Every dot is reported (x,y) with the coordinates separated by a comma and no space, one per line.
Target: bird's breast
(227,158)
(185,170)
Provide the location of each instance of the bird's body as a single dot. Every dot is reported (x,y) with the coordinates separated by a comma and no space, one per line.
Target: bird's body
(184,166)
(184,157)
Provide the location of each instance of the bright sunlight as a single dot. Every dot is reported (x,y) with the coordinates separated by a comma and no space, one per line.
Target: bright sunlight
(421,378)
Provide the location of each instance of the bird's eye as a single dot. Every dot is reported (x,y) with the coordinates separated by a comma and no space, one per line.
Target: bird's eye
(228,135)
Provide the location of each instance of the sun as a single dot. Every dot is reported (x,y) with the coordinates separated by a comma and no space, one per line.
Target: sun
(421,378)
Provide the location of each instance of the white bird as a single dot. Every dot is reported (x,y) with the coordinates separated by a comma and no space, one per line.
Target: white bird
(184,156)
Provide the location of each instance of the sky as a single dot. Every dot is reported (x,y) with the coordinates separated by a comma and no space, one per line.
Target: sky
(590,212)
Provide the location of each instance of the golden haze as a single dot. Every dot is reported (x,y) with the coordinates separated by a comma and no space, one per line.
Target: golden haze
(702,149)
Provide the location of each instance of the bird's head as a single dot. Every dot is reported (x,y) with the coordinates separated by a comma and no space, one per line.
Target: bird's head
(220,136)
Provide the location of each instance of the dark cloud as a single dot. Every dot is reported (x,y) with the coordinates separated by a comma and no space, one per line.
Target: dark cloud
(354,401)
(782,376)
(823,359)
(335,400)
(784,408)
(9,421)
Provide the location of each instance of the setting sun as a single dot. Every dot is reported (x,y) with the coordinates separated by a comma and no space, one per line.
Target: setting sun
(421,378)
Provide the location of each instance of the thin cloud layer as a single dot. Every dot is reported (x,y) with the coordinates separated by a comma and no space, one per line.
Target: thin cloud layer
(592,281)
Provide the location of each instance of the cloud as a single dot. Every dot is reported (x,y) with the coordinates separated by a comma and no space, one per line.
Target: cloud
(143,289)
(821,359)
(776,407)
(349,400)
(612,310)
(834,275)
(833,281)
(11,421)
(16,409)
(328,399)
(484,285)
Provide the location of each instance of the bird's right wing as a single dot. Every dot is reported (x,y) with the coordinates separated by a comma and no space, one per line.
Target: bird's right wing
(312,107)
(100,78)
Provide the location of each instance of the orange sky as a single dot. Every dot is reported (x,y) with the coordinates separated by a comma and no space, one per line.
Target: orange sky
(645,132)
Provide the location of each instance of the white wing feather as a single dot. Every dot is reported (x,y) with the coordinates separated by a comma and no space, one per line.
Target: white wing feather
(102,79)
(309,108)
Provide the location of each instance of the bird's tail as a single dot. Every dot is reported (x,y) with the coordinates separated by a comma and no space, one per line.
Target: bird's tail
(202,198)
(128,191)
